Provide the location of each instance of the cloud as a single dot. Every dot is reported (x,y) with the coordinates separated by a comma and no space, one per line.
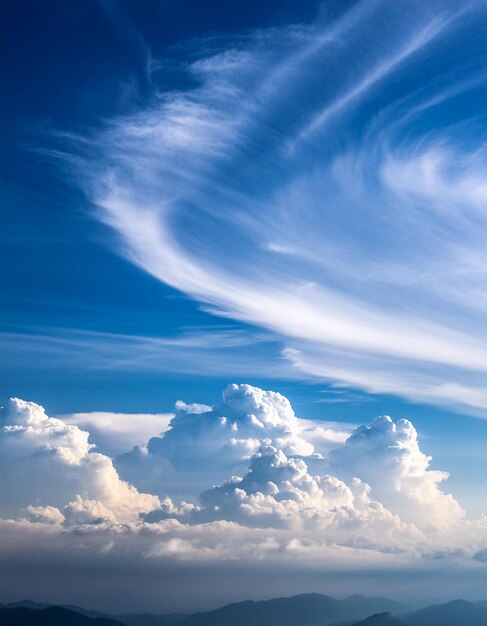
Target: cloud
(114,433)
(414,44)
(203,193)
(203,445)
(386,455)
(222,561)
(279,492)
(44,514)
(46,464)
(81,511)
(285,472)
(295,472)
(309,498)
(207,445)
(223,348)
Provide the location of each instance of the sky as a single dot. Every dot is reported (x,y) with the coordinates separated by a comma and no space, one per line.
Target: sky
(264,221)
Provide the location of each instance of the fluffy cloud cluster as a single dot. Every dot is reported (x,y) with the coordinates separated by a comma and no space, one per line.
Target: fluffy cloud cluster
(49,466)
(373,491)
(279,492)
(205,445)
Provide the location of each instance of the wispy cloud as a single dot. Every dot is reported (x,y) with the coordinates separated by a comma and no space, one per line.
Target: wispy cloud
(363,248)
(200,351)
(414,43)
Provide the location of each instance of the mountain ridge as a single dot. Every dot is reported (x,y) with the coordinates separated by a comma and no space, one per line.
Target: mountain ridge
(311,609)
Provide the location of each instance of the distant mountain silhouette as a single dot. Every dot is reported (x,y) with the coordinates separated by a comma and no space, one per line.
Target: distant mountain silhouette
(144,619)
(28,604)
(382,619)
(455,613)
(52,616)
(311,609)
(150,619)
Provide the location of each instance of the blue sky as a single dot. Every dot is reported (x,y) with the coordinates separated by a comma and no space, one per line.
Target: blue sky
(65,272)
(290,195)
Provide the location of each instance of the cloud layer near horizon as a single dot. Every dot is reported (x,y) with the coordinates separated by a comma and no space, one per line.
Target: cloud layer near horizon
(307,495)
(324,185)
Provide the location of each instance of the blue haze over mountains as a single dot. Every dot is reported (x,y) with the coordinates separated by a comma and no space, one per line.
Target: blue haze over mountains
(303,610)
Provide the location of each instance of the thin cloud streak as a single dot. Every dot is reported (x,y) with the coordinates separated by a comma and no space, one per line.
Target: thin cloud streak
(221,349)
(418,41)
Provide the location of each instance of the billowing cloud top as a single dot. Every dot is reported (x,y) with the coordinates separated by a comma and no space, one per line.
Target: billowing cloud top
(207,444)
(245,417)
(387,456)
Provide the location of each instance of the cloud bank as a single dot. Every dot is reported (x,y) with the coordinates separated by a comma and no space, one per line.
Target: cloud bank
(307,497)
(324,185)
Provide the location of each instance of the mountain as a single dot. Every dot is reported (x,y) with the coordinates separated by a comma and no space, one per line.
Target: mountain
(455,613)
(144,619)
(312,609)
(382,619)
(29,604)
(52,616)
(150,619)
(368,606)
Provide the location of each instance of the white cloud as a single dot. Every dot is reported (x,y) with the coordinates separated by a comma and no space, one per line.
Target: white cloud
(376,475)
(47,463)
(114,433)
(204,445)
(223,348)
(369,502)
(81,511)
(436,176)
(44,514)
(279,492)
(395,290)
(386,455)
(414,44)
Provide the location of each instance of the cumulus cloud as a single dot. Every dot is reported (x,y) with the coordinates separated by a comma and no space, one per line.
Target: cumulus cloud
(246,416)
(81,511)
(204,445)
(371,497)
(44,514)
(47,463)
(386,455)
(279,492)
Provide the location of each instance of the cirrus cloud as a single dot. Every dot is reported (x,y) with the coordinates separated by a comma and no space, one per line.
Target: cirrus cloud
(238,192)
